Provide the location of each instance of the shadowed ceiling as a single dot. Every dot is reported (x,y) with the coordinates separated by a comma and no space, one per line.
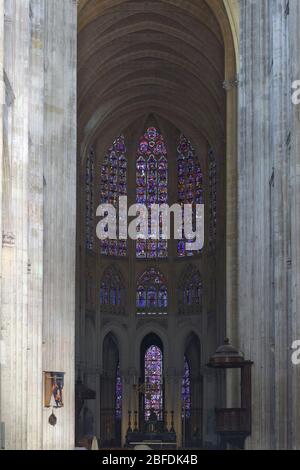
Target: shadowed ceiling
(163,57)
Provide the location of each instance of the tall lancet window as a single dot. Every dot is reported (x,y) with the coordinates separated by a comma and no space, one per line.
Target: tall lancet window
(190,292)
(112,292)
(212,201)
(90,200)
(151,293)
(154,382)
(190,185)
(152,188)
(113,183)
(186,390)
(118,393)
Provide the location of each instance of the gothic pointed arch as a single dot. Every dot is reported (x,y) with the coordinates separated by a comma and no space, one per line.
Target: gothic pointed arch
(190,291)
(111,392)
(152,188)
(112,291)
(190,188)
(113,184)
(151,293)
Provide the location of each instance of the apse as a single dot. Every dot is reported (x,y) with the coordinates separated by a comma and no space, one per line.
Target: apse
(152,127)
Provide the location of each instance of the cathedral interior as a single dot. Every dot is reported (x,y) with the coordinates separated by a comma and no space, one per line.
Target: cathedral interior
(127,342)
(147,133)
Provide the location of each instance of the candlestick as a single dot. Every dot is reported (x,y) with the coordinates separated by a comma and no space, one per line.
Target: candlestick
(135,422)
(172,430)
(129,422)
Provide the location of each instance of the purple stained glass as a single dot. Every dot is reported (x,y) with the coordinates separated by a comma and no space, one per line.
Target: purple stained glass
(118,394)
(190,184)
(152,187)
(151,290)
(212,201)
(154,382)
(111,288)
(191,292)
(186,390)
(113,183)
(89,200)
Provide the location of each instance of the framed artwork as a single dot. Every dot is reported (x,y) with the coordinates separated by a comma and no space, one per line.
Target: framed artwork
(53,389)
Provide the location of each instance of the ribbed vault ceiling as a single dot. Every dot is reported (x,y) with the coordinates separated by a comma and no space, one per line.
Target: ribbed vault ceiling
(158,57)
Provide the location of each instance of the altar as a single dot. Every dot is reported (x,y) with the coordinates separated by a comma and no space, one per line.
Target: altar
(157,440)
(152,433)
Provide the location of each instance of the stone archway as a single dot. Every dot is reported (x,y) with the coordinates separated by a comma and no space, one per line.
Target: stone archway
(130,68)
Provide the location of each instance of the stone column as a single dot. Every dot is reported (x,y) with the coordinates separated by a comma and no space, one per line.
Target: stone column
(255,172)
(60,211)
(38,219)
(293,414)
(2,102)
(268,217)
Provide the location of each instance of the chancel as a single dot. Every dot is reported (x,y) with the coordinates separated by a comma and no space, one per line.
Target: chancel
(116,342)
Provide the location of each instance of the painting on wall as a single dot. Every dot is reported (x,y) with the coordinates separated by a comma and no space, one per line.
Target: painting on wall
(53,389)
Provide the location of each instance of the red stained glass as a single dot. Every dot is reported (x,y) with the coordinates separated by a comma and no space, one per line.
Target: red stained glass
(113,183)
(90,200)
(190,184)
(186,390)
(152,187)
(154,382)
(151,291)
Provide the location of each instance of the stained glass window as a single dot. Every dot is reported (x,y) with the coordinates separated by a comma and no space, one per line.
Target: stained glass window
(113,183)
(152,187)
(112,291)
(152,293)
(190,291)
(154,382)
(89,200)
(186,390)
(118,394)
(190,184)
(212,201)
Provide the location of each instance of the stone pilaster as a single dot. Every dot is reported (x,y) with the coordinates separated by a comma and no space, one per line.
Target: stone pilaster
(255,171)
(39,162)
(294,233)
(268,214)
(60,211)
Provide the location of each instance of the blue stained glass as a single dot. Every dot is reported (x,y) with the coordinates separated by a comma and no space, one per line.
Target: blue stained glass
(151,290)
(118,394)
(113,183)
(113,296)
(212,201)
(189,184)
(163,298)
(111,288)
(186,390)
(152,187)
(141,298)
(154,382)
(191,292)
(90,201)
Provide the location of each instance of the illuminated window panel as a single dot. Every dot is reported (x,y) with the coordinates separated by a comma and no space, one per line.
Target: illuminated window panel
(190,186)
(90,200)
(212,202)
(113,184)
(186,391)
(151,293)
(118,408)
(152,187)
(112,292)
(153,398)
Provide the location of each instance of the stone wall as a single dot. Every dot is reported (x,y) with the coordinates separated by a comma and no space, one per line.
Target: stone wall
(268,216)
(38,219)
